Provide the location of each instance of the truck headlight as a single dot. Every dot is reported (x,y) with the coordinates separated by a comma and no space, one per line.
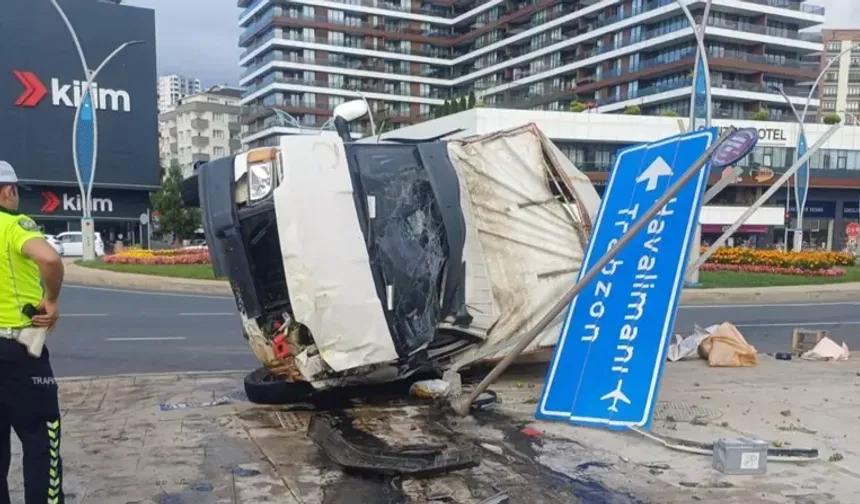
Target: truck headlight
(260,173)
(260,181)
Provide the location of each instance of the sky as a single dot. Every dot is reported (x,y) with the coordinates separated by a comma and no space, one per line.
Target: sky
(199,38)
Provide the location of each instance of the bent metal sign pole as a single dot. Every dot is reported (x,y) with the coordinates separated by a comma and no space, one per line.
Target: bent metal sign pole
(700,106)
(462,406)
(85,134)
(764,197)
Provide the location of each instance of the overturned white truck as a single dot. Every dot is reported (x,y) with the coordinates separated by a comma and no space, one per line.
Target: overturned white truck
(365,262)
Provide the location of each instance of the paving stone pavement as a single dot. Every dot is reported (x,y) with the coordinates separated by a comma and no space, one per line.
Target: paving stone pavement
(119,447)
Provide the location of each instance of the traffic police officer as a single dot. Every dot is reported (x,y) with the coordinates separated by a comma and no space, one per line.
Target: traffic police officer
(31,275)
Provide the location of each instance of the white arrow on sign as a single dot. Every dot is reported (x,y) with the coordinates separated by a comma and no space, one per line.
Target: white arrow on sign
(659,168)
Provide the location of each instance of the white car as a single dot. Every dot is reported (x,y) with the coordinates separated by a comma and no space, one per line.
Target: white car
(54,242)
(73,246)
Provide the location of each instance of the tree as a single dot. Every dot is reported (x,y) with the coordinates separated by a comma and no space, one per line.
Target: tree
(633,110)
(176,220)
(577,106)
(472,100)
(445,109)
(669,113)
(462,105)
(761,115)
(480,104)
(832,119)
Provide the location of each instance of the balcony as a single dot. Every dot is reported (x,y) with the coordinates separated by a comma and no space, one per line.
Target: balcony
(173,132)
(204,158)
(352,84)
(174,148)
(200,141)
(200,124)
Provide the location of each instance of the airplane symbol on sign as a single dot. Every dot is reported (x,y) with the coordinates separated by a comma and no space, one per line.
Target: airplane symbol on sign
(616,395)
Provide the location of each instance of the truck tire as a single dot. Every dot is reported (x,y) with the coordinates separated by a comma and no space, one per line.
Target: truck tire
(262,387)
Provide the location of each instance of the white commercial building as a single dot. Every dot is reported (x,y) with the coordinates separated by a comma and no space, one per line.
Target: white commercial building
(590,140)
(172,88)
(200,127)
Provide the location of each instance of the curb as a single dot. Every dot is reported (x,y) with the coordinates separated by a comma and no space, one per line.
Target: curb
(192,374)
(92,277)
(81,275)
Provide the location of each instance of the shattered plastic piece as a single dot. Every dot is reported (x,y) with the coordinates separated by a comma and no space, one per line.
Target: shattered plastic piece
(185,405)
(430,389)
(501,498)
(368,453)
(281,347)
(827,349)
(531,432)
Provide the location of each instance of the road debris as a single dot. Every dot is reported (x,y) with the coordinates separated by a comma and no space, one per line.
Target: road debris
(430,389)
(352,448)
(827,350)
(722,345)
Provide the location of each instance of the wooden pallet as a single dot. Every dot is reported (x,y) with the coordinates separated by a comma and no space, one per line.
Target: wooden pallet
(803,340)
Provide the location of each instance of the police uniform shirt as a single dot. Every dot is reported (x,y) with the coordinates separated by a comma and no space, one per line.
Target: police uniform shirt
(20,283)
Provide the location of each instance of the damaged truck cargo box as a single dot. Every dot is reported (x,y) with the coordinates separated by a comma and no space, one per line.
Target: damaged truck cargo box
(357,262)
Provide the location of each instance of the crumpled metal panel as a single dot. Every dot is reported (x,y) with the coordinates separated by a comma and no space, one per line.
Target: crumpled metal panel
(523,204)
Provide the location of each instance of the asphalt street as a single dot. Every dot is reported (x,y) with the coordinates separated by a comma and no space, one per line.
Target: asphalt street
(109,331)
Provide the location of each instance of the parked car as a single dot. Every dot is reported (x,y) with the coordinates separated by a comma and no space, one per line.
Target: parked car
(54,242)
(356,263)
(73,245)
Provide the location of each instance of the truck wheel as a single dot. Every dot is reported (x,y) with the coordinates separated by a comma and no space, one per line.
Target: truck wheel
(262,387)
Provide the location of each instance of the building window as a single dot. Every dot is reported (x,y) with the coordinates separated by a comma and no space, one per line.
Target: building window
(828,105)
(218,135)
(853,90)
(834,45)
(218,117)
(841,160)
(830,90)
(218,151)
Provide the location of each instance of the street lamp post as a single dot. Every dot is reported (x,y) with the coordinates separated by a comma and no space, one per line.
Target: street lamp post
(801,177)
(85,136)
(700,108)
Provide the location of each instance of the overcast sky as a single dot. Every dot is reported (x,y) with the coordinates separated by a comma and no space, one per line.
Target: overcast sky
(199,38)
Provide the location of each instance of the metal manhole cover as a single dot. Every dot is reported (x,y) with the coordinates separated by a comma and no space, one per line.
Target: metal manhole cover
(682,412)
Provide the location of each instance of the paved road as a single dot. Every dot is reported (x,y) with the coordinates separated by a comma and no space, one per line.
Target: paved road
(107,331)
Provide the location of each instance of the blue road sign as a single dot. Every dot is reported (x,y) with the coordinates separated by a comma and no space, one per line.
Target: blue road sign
(609,358)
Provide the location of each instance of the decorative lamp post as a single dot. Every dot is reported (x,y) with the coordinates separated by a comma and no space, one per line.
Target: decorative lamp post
(700,108)
(85,134)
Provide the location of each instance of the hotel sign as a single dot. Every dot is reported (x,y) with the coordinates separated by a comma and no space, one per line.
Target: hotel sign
(765,134)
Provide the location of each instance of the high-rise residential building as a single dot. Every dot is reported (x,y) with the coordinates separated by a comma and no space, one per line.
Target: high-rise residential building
(407,57)
(840,90)
(172,88)
(200,127)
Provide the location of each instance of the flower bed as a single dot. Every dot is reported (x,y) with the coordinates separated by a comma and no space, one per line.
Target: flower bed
(805,261)
(162,257)
(773,270)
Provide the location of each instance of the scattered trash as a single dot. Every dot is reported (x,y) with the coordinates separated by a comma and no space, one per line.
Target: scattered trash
(493,448)
(497,499)
(826,350)
(803,340)
(685,347)
(185,405)
(836,457)
(484,400)
(783,356)
(588,465)
(430,389)
(740,456)
(726,347)
(785,413)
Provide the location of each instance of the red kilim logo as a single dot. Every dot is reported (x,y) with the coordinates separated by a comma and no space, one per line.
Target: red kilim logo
(51,202)
(34,90)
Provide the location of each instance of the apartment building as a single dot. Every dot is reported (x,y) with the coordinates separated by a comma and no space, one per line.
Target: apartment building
(200,127)
(840,91)
(408,56)
(172,88)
